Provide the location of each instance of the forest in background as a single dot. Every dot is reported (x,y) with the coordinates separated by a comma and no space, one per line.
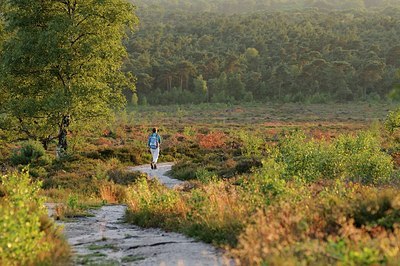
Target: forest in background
(290,51)
(244,6)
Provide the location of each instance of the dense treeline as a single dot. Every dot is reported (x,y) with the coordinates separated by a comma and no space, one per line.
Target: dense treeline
(310,54)
(241,6)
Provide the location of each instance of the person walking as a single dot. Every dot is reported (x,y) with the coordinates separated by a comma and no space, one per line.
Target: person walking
(154,144)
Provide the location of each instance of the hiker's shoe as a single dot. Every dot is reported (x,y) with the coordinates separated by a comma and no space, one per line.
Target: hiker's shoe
(152,166)
(155,166)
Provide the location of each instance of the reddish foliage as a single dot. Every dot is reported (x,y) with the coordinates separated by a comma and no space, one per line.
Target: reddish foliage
(320,135)
(104,142)
(173,140)
(212,140)
(396,158)
(106,132)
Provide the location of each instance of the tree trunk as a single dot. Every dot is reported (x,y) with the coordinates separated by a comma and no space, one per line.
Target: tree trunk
(45,144)
(170,82)
(62,137)
(181,81)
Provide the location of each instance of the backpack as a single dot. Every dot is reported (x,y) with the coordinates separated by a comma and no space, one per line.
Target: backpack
(153,141)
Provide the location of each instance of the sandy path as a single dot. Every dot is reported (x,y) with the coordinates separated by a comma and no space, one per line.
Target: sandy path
(105,240)
(159,173)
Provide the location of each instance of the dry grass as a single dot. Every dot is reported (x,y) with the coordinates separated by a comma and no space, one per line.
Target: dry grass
(213,212)
(60,252)
(112,193)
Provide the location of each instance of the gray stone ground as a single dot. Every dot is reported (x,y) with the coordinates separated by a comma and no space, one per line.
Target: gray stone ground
(160,173)
(105,240)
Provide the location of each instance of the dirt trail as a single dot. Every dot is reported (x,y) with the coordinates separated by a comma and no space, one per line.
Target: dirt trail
(105,240)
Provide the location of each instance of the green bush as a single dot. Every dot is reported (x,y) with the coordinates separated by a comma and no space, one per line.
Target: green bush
(31,152)
(358,158)
(265,184)
(250,143)
(205,176)
(393,120)
(184,170)
(302,157)
(245,165)
(362,159)
(122,176)
(21,238)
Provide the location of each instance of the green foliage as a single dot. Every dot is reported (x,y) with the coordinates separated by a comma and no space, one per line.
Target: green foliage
(342,251)
(73,201)
(362,159)
(21,237)
(63,59)
(266,184)
(295,54)
(358,158)
(251,143)
(300,157)
(246,6)
(31,152)
(184,170)
(135,99)
(152,197)
(377,209)
(206,213)
(393,120)
(205,176)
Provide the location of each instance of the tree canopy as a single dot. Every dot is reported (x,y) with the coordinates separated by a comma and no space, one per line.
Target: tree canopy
(346,51)
(62,63)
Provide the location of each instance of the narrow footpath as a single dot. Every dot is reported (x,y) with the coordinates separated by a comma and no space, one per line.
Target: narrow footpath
(105,239)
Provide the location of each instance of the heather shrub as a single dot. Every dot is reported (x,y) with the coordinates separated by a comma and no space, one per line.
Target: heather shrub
(212,140)
(184,170)
(373,208)
(205,176)
(333,224)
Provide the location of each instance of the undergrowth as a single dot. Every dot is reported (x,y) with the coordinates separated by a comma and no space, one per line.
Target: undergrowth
(27,235)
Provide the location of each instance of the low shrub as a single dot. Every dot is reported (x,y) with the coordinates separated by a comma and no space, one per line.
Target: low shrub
(245,165)
(250,143)
(340,224)
(153,205)
(123,177)
(212,140)
(372,208)
(25,237)
(184,170)
(357,158)
(31,152)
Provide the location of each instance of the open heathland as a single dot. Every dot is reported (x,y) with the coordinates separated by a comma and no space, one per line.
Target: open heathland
(311,189)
